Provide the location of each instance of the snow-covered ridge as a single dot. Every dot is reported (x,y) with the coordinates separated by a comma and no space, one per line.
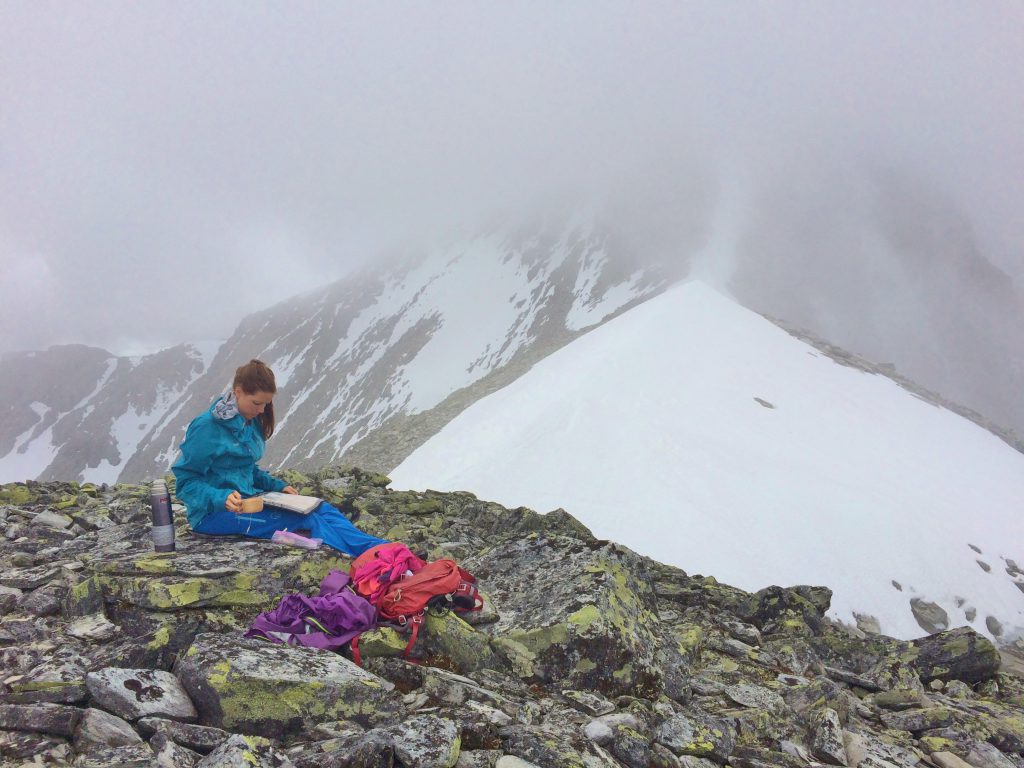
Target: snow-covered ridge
(697,432)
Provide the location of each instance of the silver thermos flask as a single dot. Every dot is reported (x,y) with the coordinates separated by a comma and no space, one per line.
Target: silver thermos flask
(163,523)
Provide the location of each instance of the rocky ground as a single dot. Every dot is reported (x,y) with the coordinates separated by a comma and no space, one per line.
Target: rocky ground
(586,655)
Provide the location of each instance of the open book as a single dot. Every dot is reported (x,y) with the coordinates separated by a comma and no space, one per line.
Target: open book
(293,502)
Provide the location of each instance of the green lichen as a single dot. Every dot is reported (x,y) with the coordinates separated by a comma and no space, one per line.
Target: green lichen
(539,640)
(937,744)
(177,595)
(156,563)
(16,494)
(312,570)
(522,659)
(585,618)
(624,673)
(383,641)
(690,641)
(957,646)
(397,533)
(160,639)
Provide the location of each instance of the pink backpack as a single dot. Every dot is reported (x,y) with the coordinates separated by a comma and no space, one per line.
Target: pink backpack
(401,586)
(374,570)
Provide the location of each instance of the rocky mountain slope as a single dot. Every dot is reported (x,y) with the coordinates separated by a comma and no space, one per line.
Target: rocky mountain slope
(586,655)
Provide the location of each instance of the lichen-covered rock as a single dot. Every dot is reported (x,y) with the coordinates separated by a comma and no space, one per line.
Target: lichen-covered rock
(58,680)
(243,574)
(930,616)
(17,747)
(135,693)
(865,750)
(827,737)
(697,735)
(960,654)
(254,687)
(130,756)
(630,746)
(917,720)
(452,689)
(984,755)
(425,741)
(102,729)
(755,696)
(576,613)
(168,754)
(200,738)
(54,719)
(28,578)
(533,682)
(448,641)
(482,758)
(898,700)
(245,752)
(95,628)
(796,610)
(552,745)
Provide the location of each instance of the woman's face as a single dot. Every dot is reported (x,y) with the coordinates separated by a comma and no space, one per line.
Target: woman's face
(251,406)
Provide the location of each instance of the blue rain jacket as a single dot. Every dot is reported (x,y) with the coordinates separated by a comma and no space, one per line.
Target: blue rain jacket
(219,456)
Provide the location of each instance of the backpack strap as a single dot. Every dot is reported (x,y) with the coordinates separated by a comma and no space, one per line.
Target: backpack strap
(416,622)
(356,657)
(466,598)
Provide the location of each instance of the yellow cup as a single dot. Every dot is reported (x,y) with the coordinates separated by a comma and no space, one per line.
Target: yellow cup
(253,504)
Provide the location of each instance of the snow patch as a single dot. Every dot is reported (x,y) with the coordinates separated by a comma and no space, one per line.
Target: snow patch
(849,481)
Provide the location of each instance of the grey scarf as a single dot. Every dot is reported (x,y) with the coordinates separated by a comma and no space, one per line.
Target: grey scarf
(226,408)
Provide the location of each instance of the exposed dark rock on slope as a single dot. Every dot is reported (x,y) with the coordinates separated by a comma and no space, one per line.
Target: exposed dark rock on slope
(587,654)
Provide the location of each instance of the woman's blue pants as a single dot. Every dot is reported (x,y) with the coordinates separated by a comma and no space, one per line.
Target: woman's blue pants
(325,522)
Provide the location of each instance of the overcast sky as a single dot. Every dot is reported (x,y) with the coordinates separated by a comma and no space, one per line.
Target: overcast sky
(166,168)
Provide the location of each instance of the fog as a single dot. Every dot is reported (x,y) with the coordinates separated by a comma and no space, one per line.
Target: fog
(166,168)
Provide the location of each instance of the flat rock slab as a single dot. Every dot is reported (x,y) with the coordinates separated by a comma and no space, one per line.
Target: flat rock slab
(755,696)
(102,729)
(95,628)
(209,573)
(29,578)
(57,681)
(254,687)
(54,719)
(52,520)
(133,756)
(200,738)
(135,693)
(171,754)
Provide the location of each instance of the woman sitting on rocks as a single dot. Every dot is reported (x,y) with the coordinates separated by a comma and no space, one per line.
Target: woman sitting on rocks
(217,469)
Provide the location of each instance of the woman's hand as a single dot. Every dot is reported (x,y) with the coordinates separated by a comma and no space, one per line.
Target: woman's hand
(233,503)
(289,489)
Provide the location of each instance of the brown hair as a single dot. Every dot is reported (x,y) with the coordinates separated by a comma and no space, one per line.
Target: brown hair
(256,376)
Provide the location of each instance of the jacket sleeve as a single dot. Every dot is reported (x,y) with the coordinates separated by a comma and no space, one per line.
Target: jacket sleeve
(265,481)
(191,469)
